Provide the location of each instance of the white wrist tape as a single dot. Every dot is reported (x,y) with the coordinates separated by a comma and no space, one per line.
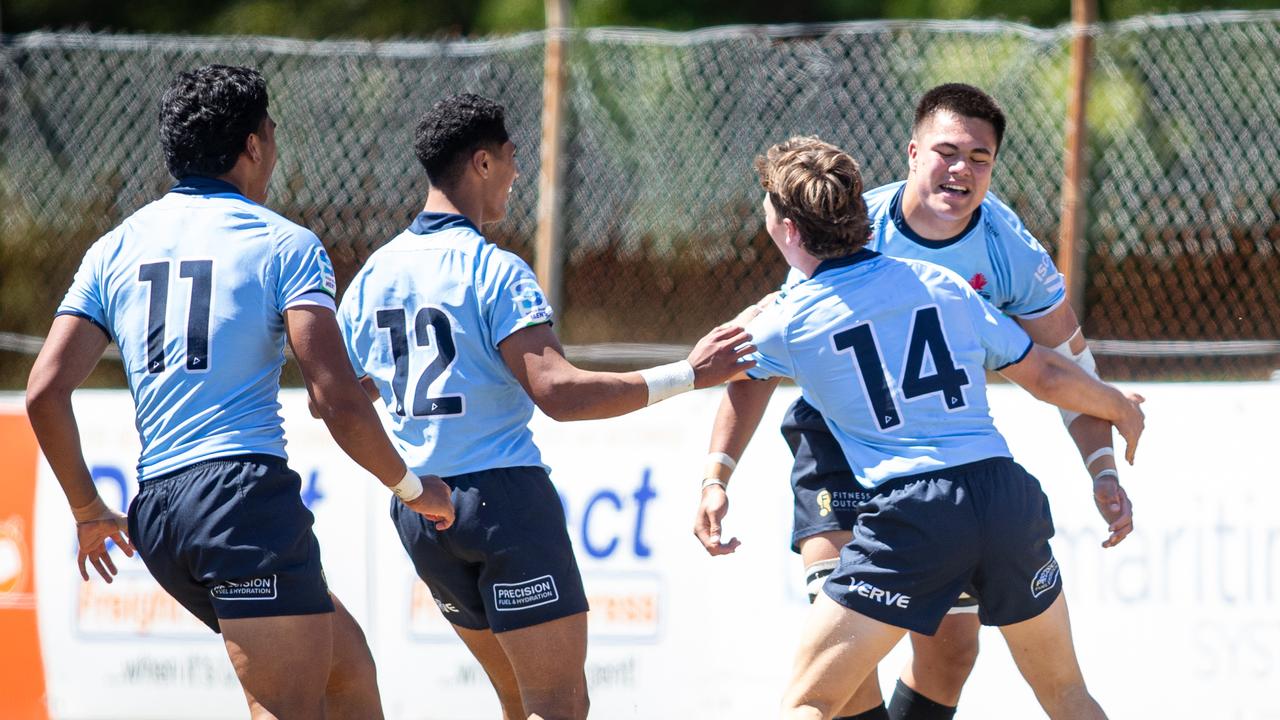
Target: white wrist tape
(1098,454)
(1085,360)
(714,481)
(1104,473)
(96,510)
(409,488)
(723,458)
(664,381)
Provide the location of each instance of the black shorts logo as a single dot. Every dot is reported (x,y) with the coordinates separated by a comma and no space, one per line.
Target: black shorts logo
(1045,578)
(525,595)
(263,588)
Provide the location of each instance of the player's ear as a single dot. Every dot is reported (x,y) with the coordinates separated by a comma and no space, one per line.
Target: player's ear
(480,161)
(253,147)
(913,150)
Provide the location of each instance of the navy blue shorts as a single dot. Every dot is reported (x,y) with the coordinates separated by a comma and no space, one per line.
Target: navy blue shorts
(826,494)
(231,538)
(923,538)
(506,563)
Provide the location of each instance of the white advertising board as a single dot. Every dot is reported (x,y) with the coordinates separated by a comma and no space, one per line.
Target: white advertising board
(1181,620)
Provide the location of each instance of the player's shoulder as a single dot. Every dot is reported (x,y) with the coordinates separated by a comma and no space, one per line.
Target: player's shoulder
(879,199)
(934,276)
(1004,226)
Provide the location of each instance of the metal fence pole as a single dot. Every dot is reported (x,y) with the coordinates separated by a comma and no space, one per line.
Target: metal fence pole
(548,260)
(1073,250)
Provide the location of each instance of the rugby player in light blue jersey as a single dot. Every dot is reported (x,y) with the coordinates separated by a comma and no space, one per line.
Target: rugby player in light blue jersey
(454,335)
(942,213)
(894,353)
(200,290)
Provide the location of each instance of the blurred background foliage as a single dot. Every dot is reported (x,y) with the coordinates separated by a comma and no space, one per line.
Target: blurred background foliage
(373,19)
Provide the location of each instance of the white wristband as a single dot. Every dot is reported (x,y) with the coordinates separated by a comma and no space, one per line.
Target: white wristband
(724,459)
(1104,473)
(714,481)
(409,488)
(1099,453)
(1086,362)
(665,381)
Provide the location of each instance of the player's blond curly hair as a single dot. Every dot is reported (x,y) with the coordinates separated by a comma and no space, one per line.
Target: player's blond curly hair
(818,187)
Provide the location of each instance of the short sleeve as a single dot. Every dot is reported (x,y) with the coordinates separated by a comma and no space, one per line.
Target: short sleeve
(1004,340)
(511,298)
(86,296)
(302,267)
(1035,286)
(769,334)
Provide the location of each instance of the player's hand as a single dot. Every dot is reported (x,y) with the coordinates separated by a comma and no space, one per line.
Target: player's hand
(435,503)
(1130,424)
(92,536)
(1115,507)
(718,356)
(750,312)
(711,511)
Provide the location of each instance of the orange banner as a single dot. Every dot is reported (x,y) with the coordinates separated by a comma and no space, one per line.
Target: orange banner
(22,674)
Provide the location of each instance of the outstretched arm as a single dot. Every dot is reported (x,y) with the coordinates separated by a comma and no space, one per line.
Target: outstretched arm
(70,353)
(565,392)
(1060,331)
(1058,381)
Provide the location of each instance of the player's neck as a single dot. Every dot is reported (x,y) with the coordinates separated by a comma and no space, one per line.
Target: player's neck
(925,223)
(438,201)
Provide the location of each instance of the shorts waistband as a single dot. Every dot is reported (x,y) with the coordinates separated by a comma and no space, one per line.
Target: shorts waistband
(263,458)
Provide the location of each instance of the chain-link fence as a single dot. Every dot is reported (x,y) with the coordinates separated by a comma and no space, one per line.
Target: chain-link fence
(663,234)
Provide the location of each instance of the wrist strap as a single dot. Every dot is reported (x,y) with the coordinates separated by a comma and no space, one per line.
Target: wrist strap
(409,487)
(1099,453)
(667,380)
(1104,473)
(714,481)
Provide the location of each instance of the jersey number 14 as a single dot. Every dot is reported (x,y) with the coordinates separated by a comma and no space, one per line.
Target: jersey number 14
(926,339)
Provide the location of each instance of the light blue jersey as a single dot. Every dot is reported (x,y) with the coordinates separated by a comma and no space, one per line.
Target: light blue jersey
(193,288)
(424,318)
(994,253)
(893,354)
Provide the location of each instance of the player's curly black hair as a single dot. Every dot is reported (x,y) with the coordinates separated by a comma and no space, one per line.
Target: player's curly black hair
(206,115)
(963,100)
(452,130)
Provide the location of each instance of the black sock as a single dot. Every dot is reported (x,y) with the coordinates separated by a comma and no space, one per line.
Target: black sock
(907,704)
(876,713)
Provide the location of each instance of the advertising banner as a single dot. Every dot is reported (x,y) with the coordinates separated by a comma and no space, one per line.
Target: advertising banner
(1181,620)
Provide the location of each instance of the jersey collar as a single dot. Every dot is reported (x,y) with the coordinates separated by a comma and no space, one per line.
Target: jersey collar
(200,185)
(833,263)
(434,222)
(900,221)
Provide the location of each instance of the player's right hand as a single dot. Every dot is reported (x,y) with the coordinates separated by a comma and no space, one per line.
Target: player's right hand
(706,525)
(718,356)
(435,503)
(92,536)
(1131,424)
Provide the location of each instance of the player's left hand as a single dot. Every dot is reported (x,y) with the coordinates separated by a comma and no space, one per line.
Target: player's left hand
(1115,507)
(712,508)
(718,356)
(92,536)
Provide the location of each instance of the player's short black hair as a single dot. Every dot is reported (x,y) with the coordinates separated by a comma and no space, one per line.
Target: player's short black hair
(453,130)
(963,100)
(206,115)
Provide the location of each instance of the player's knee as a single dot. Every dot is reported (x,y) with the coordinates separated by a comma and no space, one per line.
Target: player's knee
(816,574)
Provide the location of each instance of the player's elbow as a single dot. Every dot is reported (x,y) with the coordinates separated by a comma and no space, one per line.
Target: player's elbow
(44,393)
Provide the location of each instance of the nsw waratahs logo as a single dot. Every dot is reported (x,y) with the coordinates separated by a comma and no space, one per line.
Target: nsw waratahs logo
(978,282)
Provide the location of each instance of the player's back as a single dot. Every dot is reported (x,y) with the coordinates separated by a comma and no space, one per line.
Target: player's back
(423,318)
(192,288)
(893,353)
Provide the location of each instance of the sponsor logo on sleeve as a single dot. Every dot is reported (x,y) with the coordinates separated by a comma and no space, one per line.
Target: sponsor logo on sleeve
(530,301)
(327,278)
(524,595)
(1045,578)
(263,588)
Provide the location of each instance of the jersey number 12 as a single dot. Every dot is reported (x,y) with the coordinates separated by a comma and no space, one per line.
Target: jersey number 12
(427,322)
